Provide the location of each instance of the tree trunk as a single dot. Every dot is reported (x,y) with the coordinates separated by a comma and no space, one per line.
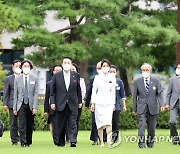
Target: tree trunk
(178,29)
(124,78)
(84,70)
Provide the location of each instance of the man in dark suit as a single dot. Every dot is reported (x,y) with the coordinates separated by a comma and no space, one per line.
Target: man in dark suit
(94,132)
(8,98)
(120,104)
(147,91)
(173,104)
(48,112)
(65,99)
(26,102)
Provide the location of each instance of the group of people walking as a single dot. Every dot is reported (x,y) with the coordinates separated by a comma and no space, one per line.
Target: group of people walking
(105,97)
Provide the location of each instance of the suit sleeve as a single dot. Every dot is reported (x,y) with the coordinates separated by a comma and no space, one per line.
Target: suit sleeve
(83,88)
(94,90)
(47,97)
(160,94)
(122,91)
(79,90)
(53,90)
(169,92)
(15,95)
(88,93)
(135,93)
(35,103)
(6,92)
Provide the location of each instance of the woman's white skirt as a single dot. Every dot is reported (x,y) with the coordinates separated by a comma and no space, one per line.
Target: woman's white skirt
(103,114)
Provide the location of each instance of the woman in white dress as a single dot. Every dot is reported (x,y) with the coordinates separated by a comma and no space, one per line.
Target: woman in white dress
(103,101)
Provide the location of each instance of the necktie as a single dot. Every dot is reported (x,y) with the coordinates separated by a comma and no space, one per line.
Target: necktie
(26,91)
(147,86)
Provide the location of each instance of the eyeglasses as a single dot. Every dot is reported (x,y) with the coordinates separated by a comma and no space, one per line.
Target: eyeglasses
(145,70)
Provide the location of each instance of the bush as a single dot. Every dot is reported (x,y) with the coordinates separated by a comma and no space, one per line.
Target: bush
(127,119)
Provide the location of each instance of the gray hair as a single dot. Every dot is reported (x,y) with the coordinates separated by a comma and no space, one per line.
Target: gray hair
(148,65)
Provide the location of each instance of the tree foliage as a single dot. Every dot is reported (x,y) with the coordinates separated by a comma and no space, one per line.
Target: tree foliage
(112,29)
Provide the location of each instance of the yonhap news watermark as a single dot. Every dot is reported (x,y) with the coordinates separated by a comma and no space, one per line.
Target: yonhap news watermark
(118,138)
(133,138)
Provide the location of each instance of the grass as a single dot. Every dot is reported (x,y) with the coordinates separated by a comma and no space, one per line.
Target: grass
(42,144)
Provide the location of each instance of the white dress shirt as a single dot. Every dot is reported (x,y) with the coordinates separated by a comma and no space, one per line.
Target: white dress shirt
(67,79)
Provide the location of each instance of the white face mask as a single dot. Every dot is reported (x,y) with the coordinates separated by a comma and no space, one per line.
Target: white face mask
(178,71)
(99,71)
(114,74)
(26,70)
(17,70)
(145,74)
(105,69)
(66,67)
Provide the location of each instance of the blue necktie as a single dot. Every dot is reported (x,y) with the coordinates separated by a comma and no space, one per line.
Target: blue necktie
(147,85)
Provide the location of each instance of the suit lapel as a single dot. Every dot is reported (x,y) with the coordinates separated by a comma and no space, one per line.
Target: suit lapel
(177,83)
(143,86)
(71,79)
(30,79)
(150,84)
(61,76)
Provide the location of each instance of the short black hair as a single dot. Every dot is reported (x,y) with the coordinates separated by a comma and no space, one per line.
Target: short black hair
(52,69)
(67,58)
(75,67)
(16,61)
(177,64)
(27,61)
(114,66)
(105,61)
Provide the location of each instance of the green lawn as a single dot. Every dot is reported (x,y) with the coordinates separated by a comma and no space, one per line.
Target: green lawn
(42,144)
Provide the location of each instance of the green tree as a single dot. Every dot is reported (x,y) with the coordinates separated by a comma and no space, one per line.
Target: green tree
(8,22)
(112,29)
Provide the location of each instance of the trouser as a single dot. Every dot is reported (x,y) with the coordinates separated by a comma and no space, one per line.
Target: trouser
(26,123)
(61,122)
(173,121)
(151,125)
(13,126)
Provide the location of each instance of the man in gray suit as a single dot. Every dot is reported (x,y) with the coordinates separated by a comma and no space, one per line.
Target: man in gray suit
(8,98)
(26,102)
(172,101)
(147,91)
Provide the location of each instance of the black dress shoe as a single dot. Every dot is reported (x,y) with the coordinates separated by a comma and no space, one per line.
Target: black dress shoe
(95,143)
(73,145)
(14,143)
(142,146)
(23,145)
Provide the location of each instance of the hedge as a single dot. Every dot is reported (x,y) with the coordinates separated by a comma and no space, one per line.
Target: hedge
(127,119)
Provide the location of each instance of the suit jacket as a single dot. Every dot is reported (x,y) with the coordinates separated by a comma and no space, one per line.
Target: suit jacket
(19,92)
(47,107)
(89,92)
(173,92)
(141,98)
(104,89)
(59,94)
(8,92)
(120,93)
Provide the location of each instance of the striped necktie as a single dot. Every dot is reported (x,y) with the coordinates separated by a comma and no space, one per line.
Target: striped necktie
(147,86)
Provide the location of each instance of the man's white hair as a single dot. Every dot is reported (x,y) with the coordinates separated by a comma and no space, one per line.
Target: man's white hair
(148,65)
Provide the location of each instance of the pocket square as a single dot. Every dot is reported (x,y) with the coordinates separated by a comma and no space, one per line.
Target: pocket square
(74,81)
(32,82)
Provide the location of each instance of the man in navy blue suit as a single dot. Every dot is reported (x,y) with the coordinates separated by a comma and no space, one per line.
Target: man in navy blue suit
(120,103)
(48,112)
